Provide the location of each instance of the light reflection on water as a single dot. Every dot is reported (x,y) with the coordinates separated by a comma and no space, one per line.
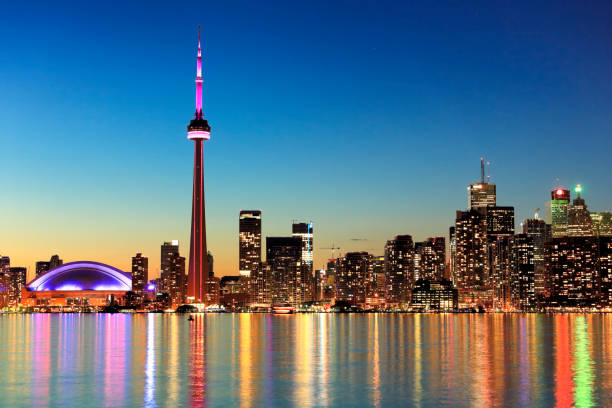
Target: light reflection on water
(251,360)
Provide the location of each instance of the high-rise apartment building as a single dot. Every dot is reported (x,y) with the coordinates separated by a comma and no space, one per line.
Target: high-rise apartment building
(399,266)
(558,208)
(55,261)
(602,223)
(173,272)
(522,279)
(304,231)
(540,232)
(353,272)
(574,268)
(16,281)
(430,259)
(140,273)
(249,238)
(471,272)
(500,236)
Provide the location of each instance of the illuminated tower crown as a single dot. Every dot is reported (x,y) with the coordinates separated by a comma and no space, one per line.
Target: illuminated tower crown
(198,127)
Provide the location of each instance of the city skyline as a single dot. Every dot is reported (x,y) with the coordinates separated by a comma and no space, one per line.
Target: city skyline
(42,216)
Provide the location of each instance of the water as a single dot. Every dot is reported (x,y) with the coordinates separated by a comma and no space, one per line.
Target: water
(244,360)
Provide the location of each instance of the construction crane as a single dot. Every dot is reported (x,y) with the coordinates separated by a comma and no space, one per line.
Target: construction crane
(332,248)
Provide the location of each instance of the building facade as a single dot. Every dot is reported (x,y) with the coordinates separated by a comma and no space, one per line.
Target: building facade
(399,268)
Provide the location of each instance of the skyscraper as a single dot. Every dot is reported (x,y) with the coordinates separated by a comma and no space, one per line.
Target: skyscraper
(42,267)
(353,274)
(500,237)
(522,279)
(55,261)
(399,266)
(540,233)
(17,280)
(579,223)
(304,231)
(431,255)
(471,262)
(481,194)
(558,207)
(284,259)
(198,131)
(140,273)
(173,272)
(249,245)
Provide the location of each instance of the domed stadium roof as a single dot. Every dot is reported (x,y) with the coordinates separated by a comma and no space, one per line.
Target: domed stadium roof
(82,275)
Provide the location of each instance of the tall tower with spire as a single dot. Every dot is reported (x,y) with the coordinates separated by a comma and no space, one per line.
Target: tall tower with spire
(198,131)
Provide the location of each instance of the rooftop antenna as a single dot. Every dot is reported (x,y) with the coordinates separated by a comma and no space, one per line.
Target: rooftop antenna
(488,171)
(537,213)
(482,170)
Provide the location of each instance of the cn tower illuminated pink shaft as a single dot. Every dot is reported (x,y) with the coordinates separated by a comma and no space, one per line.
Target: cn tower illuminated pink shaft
(198,131)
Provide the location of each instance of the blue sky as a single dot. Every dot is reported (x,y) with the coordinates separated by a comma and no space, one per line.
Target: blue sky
(368,118)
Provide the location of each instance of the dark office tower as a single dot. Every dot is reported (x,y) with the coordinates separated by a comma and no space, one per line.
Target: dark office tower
(481,194)
(352,274)
(329,289)
(140,273)
(500,236)
(579,223)
(211,264)
(198,131)
(540,233)
(42,267)
(605,270)
(430,259)
(522,279)
(399,267)
(602,223)
(55,261)
(574,268)
(173,272)
(16,280)
(284,258)
(558,208)
(249,249)
(471,262)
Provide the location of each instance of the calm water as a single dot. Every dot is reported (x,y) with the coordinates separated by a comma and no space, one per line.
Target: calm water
(306,360)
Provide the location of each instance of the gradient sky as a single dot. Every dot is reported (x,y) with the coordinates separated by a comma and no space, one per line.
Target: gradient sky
(368,118)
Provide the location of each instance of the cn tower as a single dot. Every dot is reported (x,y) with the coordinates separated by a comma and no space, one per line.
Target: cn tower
(198,131)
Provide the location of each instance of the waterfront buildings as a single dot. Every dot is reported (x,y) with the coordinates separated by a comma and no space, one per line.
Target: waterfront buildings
(434,295)
(77,284)
(522,278)
(198,131)
(430,259)
(540,232)
(16,281)
(140,273)
(399,265)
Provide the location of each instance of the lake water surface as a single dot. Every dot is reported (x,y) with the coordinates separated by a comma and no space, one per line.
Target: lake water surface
(244,360)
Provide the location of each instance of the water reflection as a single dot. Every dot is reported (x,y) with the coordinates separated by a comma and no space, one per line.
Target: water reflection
(306,360)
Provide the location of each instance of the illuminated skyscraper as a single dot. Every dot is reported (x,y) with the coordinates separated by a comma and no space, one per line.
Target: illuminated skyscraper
(249,230)
(284,258)
(579,223)
(430,259)
(140,273)
(17,280)
(481,194)
(55,261)
(558,208)
(522,278)
(399,267)
(173,272)
(304,231)
(471,274)
(540,233)
(198,131)
(500,236)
